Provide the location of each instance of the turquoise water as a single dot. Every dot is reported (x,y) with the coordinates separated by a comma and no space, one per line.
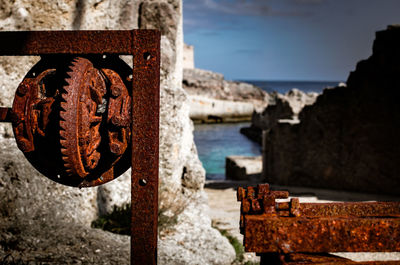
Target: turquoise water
(216,141)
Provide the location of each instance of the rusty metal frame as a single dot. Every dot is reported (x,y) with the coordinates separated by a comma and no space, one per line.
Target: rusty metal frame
(297,233)
(144,46)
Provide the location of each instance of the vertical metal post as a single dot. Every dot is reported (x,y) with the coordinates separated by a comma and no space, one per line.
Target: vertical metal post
(145,142)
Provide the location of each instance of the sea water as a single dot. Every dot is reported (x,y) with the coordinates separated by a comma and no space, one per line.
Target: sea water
(215,142)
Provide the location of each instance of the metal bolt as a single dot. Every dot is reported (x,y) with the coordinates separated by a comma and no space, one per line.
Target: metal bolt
(115,148)
(116,90)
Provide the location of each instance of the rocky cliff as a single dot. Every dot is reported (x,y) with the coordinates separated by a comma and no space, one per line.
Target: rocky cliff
(45,222)
(228,100)
(349,139)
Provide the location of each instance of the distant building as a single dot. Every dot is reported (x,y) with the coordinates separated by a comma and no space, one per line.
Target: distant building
(188,56)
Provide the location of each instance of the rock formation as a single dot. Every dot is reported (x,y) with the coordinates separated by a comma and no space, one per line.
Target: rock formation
(349,139)
(45,222)
(205,109)
(242,98)
(280,108)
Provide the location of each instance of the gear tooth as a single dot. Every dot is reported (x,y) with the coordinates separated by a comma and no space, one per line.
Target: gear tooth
(63,124)
(63,143)
(68,80)
(63,135)
(63,116)
(64,106)
(64,151)
(64,96)
(68,170)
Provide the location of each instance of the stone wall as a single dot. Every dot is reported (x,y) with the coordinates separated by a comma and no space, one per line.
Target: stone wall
(53,221)
(349,139)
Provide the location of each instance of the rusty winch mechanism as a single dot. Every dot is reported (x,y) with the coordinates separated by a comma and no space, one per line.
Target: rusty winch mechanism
(71,118)
(82,116)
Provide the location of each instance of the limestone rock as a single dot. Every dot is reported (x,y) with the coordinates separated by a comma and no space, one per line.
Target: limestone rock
(114,193)
(197,243)
(64,243)
(26,194)
(240,91)
(206,109)
(349,138)
(203,83)
(210,84)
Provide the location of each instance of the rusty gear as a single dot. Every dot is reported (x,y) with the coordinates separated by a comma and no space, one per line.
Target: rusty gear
(74,113)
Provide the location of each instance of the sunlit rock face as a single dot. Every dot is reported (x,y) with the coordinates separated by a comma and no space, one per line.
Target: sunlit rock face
(53,221)
(349,138)
(198,82)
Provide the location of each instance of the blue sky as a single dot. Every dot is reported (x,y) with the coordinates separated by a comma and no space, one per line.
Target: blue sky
(285,39)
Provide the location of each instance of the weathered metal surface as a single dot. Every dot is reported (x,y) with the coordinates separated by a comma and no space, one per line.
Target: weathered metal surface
(300,234)
(278,229)
(345,209)
(315,258)
(70,123)
(145,141)
(67,42)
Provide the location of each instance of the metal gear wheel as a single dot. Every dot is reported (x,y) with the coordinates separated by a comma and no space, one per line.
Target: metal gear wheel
(73,118)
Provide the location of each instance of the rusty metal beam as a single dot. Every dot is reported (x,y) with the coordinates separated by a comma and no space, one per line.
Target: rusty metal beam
(349,209)
(145,141)
(67,42)
(314,258)
(264,234)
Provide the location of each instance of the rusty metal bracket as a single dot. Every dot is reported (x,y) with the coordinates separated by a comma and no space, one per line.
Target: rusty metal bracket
(144,47)
(292,232)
